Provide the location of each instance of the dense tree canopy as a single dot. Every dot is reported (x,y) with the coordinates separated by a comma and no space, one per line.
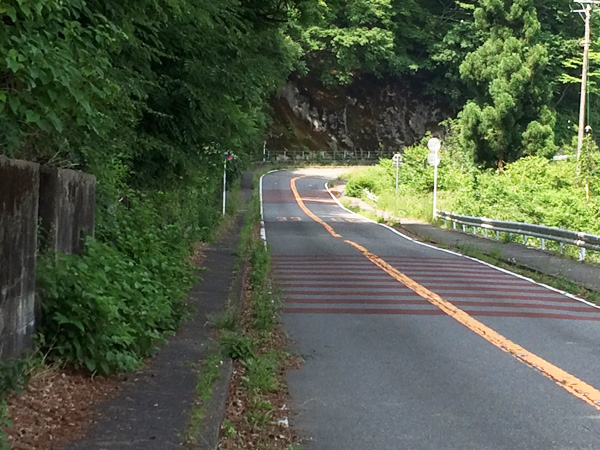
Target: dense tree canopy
(504,63)
(161,86)
(165,85)
(509,115)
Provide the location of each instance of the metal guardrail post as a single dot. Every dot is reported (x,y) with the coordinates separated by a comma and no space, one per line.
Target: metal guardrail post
(583,241)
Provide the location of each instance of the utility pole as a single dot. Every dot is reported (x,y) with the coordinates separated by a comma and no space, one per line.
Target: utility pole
(584,72)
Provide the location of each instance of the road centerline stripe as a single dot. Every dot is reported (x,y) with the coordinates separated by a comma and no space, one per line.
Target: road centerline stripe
(575,386)
(308,212)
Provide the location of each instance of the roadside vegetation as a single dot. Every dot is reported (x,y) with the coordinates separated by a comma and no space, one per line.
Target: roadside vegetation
(149,96)
(533,189)
(250,333)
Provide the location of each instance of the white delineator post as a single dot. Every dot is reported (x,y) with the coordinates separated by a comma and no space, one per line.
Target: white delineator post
(435,173)
(434,145)
(397,162)
(224,184)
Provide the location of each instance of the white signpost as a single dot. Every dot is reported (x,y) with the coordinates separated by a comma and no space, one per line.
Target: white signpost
(434,145)
(228,157)
(397,162)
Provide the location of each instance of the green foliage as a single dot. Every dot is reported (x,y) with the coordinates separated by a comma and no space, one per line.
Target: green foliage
(147,97)
(501,63)
(375,179)
(381,37)
(229,428)
(13,376)
(106,309)
(55,76)
(265,301)
(4,422)
(225,320)
(261,373)
(209,374)
(532,190)
(510,113)
(237,347)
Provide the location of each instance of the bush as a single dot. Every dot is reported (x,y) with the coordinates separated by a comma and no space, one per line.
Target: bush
(106,309)
(534,190)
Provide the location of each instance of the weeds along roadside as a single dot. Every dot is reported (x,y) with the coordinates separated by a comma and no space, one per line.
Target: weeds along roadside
(88,301)
(13,378)
(250,334)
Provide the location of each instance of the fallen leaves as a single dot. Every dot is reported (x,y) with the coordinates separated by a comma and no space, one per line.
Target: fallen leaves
(56,408)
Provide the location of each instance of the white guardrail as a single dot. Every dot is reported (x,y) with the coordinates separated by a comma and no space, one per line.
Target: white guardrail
(577,238)
(371,196)
(582,240)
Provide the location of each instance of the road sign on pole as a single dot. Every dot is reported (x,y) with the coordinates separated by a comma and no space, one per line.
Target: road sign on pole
(433,159)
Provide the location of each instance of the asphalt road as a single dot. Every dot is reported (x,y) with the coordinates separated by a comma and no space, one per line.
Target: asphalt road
(411,347)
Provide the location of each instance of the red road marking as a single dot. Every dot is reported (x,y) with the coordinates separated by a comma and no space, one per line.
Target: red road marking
(396,292)
(413,312)
(530,315)
(328,301)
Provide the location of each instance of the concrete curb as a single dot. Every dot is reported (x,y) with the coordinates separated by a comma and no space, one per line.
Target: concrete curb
(210,434)
(215,407)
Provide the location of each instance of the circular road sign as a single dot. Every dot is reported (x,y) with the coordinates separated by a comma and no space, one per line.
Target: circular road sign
(433,159)
(434,145)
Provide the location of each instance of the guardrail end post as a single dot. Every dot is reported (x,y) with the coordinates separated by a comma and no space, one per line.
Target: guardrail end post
(581,253)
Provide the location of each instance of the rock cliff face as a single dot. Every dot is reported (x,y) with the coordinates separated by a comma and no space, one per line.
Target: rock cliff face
(369,119)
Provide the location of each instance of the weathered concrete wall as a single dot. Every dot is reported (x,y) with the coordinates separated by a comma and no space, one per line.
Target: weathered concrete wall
(19,187)
(66,209)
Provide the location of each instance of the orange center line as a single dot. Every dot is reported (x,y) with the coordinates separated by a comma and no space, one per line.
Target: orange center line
(308,212)
(564,379)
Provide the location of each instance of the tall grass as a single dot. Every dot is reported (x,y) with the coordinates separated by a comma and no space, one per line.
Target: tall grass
(415,205)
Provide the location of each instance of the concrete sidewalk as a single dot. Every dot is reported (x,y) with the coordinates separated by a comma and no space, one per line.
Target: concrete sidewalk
(154,405)
(583,274)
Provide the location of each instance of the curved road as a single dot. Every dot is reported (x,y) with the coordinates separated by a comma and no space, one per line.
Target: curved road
(412,347)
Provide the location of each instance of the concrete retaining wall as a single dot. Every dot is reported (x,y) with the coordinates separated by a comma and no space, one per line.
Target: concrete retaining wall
(66,209)
(64,201)
(19,189)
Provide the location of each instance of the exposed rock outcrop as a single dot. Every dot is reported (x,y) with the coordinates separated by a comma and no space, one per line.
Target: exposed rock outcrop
(370,118)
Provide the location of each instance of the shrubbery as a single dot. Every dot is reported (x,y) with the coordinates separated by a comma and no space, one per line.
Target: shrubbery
(147,96)
(532,189)
(106,309)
